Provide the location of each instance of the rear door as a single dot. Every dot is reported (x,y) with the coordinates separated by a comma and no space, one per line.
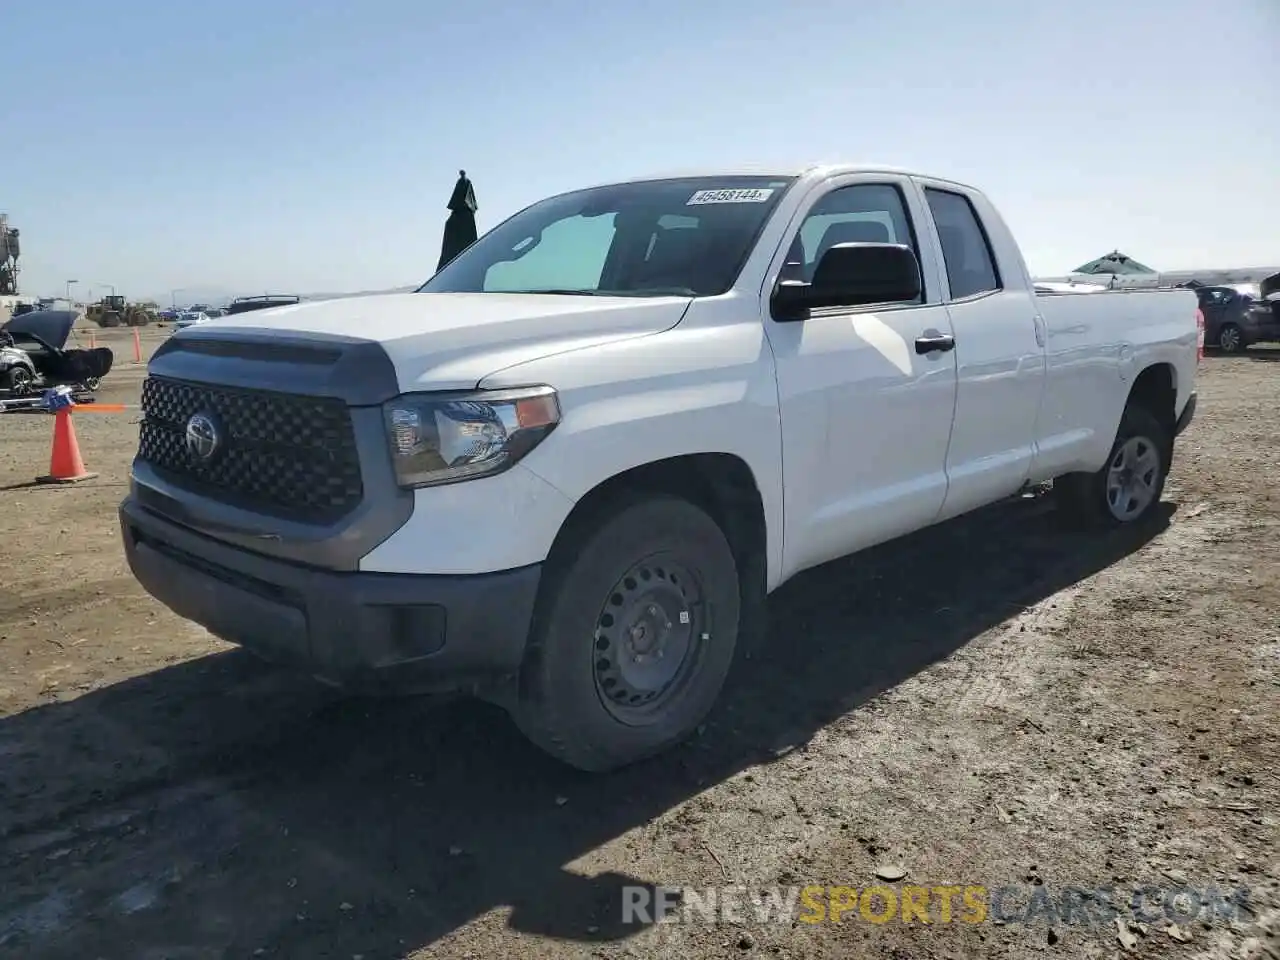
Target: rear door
(866,410)
(999,351)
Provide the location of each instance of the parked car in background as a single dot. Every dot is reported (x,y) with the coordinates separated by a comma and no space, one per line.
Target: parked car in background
(34,354)
(189,318)
(1235,320)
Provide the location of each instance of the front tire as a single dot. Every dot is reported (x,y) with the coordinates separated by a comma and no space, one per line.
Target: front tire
(18,381)
(1128,488)
(634,636)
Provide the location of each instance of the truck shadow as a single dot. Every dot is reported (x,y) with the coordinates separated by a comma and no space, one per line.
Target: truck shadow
(218,807)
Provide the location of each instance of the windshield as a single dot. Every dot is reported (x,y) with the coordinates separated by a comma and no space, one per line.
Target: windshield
(686,237)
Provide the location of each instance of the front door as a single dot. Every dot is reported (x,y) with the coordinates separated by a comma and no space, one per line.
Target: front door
(1213,304)
(867,393)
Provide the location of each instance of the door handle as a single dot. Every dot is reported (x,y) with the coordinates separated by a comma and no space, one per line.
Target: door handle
(941,341)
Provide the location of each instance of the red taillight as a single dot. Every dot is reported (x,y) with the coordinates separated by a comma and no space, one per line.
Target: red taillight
(1199,334)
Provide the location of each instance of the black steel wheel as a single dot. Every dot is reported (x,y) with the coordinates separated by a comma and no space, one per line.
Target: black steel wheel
(650,636)
(635,633)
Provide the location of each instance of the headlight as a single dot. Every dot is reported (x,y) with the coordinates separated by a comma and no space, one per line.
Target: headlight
(442,438)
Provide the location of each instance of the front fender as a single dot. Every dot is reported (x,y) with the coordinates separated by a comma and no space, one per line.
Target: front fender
(11,359)
(690,390)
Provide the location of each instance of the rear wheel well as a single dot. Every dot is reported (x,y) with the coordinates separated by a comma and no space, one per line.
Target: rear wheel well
(720,484)
(1155,391)
(1155,394)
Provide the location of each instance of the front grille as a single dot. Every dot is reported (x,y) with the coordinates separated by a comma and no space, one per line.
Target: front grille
(280,454)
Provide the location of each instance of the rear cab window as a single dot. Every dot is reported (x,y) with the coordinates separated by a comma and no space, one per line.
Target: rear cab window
(966,248)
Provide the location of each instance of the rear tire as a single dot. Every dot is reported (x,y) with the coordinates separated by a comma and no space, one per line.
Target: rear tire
(634,636)
(1231,339)
(1128,488)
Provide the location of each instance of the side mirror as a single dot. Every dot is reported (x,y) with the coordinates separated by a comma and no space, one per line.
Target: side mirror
(851,275)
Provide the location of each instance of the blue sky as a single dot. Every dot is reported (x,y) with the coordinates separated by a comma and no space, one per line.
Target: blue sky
(310,146)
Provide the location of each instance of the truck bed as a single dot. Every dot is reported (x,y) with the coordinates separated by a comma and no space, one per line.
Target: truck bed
(1087,333)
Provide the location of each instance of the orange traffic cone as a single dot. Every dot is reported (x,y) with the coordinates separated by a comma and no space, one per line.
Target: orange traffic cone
(65,464)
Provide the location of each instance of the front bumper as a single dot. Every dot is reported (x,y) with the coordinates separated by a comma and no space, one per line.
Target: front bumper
(371,632)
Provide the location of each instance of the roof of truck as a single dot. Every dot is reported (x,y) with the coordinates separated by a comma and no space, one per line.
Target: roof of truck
(778,170)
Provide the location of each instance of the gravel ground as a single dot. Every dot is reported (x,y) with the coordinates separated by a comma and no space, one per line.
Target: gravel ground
(999,703)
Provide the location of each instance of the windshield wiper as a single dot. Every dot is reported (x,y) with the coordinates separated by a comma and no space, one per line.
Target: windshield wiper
(639,292)
(650,292)
(560,293)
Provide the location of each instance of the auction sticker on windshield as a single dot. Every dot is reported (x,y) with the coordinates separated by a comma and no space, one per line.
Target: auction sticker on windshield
(730,196)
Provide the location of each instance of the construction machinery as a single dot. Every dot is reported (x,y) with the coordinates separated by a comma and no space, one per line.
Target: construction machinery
(9,252)
(114,311)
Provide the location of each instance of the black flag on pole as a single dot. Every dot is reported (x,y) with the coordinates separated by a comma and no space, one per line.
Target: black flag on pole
(460,228)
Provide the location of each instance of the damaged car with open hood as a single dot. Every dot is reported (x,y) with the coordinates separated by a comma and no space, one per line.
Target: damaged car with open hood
(34,355)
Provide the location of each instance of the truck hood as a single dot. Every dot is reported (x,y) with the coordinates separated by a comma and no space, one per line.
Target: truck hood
(452,341)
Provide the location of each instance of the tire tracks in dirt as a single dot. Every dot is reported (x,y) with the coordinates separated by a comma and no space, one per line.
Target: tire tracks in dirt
(977,728)
(19,604)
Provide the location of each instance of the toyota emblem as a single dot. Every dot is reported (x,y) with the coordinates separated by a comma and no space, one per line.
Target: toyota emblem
(203,436)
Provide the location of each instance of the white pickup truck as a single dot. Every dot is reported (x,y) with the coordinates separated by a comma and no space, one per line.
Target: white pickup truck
(565,472)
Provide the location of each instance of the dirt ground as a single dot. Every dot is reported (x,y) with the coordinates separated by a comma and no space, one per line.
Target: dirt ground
(997,702)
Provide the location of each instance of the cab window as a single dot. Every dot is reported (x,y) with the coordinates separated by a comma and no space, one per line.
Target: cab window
(966,251)
(860,213)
